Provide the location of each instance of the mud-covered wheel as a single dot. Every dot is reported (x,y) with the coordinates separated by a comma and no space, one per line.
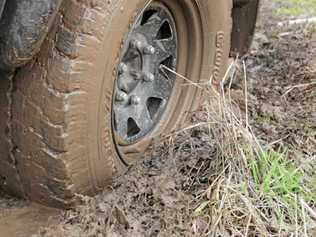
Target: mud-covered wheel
(103,88)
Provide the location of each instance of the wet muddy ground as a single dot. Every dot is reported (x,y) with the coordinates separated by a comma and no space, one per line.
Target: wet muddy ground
(19,218)
(158,196)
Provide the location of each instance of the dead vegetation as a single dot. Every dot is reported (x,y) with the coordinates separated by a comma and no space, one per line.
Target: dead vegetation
(246,167)
(256,190)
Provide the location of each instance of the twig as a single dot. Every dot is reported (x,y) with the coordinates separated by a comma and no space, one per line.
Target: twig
(297,22)
(308,208)
(189,128)
(246,93)
(304,219)
(181,76)
(277,141)
(299,86)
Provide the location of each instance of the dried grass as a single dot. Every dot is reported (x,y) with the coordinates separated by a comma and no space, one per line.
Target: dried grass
(257,191)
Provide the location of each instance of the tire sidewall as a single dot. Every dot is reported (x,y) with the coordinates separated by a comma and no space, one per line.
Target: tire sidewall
(103,158)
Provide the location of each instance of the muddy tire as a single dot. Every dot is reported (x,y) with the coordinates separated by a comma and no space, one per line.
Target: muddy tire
(61,121)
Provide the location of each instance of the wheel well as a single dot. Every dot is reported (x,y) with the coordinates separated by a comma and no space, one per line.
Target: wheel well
(13,54)
(244,16)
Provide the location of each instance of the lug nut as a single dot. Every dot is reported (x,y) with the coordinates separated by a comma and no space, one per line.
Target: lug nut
(135,100)
(122,68)
(121,96)
(150,50)
(136,44)
(149,77)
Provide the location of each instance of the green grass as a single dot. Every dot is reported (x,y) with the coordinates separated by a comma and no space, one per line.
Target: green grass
(296,8)
(267,194)
(277,178)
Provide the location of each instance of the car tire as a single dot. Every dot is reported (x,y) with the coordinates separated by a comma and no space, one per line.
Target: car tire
(61,120)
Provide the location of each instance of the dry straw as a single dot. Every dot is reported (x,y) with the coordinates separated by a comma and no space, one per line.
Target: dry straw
(257,191)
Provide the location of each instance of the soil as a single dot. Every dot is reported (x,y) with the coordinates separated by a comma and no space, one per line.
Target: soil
(157,196)
(22,219)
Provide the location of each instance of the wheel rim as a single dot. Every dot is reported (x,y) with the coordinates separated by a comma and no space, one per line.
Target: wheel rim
(143,88)
(189,28)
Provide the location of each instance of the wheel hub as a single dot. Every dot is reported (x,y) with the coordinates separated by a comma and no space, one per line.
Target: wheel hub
(143,88)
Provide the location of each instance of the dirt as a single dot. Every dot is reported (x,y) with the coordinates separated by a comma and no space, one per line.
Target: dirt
(22,219)
(158,196)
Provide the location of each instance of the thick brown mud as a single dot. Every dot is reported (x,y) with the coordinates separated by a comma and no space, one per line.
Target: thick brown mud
(157,197)
(19,218)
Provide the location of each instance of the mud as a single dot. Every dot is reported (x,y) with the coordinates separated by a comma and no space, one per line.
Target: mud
(158,196)
(22,219)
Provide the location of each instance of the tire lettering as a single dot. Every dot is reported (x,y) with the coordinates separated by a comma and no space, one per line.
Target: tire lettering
(220,41)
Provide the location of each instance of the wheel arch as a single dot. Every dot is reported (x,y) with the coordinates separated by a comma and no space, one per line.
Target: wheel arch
(23,38)
(26,24)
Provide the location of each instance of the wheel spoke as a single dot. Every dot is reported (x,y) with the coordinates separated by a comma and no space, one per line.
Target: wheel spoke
(143,119)
(121,122)
(165,49)
(166,45)
(162,86)
(152,26)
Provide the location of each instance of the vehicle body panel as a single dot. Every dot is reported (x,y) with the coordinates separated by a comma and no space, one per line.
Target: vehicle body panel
(244,15)
(24,26)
